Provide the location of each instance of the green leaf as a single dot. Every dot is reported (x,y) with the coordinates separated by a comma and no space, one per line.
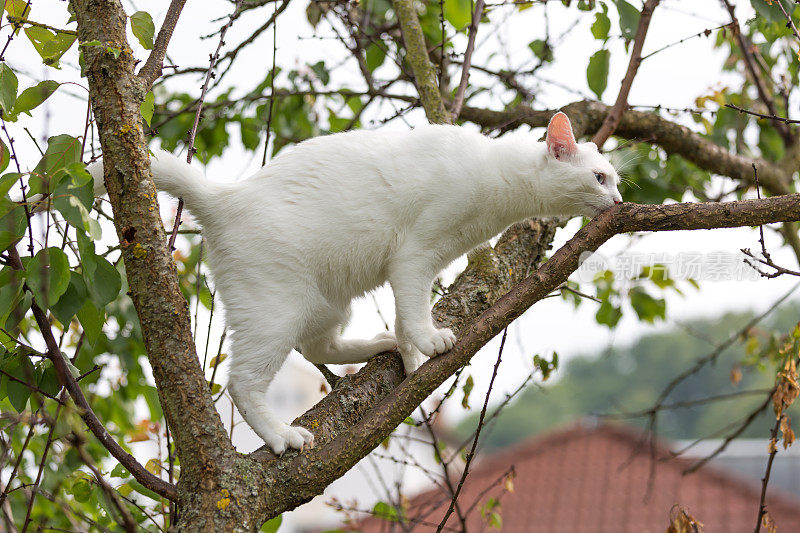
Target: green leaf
(321,71)
(385,511)
(647,307)
(147,107)
(91,320)
(458,13)
(601,26)
(88,257)
(120,472)
(10,288)
(21,368)
(608,314)
(141,489)
(628,18)
(5,156)
(771,11)
(105,284)
(597,72)
(495,521)
(469,384)
(48,379)
(19,9)
(77,215)
(32,97)
(47,275)
(12,226)
(62,150)
(143,28)
(250,132)
(541,49)
(375,56)
(272,525)
(8,88)
(153,402)
(81,490)
(71,301)
(50,46)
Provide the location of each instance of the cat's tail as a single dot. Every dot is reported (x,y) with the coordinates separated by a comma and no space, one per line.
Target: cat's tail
(170,174)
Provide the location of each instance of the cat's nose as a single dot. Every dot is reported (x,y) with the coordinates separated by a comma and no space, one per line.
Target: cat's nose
(617,202)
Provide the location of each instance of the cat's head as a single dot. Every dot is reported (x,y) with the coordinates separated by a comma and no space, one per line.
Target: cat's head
(587,181)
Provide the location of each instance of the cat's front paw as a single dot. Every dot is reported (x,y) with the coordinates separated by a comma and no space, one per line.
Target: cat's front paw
(435,342)
(289,437)
(412,358)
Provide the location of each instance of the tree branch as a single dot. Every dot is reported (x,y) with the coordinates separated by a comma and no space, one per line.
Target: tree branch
(151,70)
(378,392)
(675,139)
(116,94)
(611,121)
(417,57)
(473,31)
(70,384)
(758,80)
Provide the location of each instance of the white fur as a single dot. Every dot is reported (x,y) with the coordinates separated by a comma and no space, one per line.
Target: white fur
(336,216)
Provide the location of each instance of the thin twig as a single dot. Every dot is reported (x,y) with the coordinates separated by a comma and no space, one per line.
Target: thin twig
(462,86)
(272,82)
(128,523)
(763,115)
(471,454)
(614,116)
(762,507)
(151,70)
(193,132)
(749,61)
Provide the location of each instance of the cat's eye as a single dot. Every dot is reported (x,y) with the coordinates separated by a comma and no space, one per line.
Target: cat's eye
(601,178)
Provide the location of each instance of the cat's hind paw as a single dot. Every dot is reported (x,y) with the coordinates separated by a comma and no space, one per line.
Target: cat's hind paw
(438,341)
(384,341)
(289,437)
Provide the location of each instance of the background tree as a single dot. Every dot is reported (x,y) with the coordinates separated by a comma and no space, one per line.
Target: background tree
(66,296)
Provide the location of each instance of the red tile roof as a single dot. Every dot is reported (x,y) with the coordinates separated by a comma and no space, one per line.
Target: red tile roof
(587,479)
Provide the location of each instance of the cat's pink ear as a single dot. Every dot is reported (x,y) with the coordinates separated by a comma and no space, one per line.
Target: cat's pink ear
(560,139)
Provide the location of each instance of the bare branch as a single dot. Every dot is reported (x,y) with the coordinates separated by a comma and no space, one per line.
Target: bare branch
(473,31)
(127,519)
(587,117)
(611,121)
(471,454)
(151,70)
(193,132)
(762,115)
(758,80)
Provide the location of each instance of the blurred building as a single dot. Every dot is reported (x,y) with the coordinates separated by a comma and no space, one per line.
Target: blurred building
(595,478)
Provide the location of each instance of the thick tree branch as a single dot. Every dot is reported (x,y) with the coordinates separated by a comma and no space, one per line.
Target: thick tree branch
(611,121)
(675,139)
(116,94)
(297,477)
(151,70)
(417,57)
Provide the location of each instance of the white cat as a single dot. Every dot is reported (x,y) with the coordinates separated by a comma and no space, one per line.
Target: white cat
(337,216)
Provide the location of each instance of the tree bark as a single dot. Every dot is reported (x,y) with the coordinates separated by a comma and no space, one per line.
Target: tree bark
(116,94)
